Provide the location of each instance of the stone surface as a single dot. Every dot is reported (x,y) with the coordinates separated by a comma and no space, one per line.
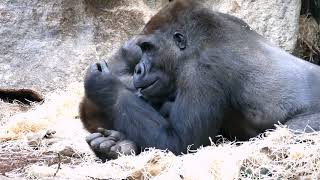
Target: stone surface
(276,20)
(45,45)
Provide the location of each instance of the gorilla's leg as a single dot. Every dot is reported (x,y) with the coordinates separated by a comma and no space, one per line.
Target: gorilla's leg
(107,144)
(305,123)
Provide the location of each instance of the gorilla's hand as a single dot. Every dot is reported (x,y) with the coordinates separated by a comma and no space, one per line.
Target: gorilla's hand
(108,144)
(100,85)
(98,77)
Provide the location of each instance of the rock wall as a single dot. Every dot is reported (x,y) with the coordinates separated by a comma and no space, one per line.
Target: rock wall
(45,45)
(277,20)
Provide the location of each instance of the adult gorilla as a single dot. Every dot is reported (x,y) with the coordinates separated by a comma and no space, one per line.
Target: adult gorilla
(225,77)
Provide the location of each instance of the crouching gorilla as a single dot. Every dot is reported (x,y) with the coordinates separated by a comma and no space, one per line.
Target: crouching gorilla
(222,77)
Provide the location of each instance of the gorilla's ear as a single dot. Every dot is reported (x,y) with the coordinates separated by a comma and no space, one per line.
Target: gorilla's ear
(180,40)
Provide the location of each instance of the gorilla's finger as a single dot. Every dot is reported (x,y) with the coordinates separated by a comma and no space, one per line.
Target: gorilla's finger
(93,136)
(113,155)
(104,131)
(104,67)
(114,151)
(92,69)
(106,146)
(105,62)
(115,135)
(127,147)
(95,144)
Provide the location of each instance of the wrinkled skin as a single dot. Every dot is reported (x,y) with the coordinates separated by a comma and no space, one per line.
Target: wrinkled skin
(224,79)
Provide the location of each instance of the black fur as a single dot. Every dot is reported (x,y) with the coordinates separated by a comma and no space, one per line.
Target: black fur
(223,77)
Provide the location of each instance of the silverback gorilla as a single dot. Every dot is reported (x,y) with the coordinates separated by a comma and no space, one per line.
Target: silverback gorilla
(220,76)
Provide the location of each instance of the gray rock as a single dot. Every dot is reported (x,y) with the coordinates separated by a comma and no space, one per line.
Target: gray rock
(45,45)
(278,21)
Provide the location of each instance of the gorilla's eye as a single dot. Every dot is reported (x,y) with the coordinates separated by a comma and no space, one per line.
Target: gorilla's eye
(180,40)
(146,46)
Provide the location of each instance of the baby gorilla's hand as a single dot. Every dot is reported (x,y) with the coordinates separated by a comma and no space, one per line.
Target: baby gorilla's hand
(108,144)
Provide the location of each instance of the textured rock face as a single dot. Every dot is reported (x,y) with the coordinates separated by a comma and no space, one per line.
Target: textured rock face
(45,44)
(276,20)
(41,41)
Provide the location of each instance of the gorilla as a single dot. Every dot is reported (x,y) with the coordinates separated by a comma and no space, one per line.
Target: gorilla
(122,65)
(218,75)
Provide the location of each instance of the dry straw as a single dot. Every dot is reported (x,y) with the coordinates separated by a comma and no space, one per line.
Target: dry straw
(47,142)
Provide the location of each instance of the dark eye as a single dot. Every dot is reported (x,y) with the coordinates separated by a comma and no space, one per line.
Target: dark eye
(180,40)
(146,46)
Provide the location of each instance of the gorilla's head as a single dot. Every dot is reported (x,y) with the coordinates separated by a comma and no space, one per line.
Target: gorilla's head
(175,45)
(164,46)
(155,74)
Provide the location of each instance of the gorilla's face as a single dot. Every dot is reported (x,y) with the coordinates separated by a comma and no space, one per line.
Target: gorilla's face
(155,74)
(165,49)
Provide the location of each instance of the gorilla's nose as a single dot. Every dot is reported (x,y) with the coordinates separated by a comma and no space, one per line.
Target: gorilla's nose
(139,71)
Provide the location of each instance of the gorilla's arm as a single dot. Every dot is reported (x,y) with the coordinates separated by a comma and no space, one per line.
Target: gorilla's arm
(189,123)
(122,65)
(190,120)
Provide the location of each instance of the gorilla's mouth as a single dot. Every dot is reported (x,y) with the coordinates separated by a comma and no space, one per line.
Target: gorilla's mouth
(148,88)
